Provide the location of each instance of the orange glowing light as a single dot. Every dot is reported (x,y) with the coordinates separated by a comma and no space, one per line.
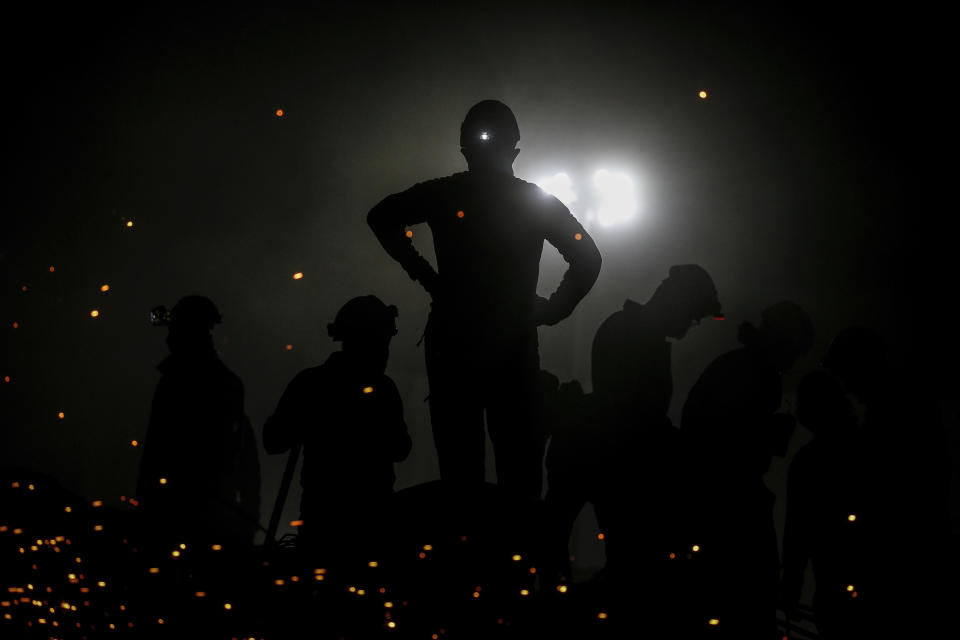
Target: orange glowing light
(61,415)
(361,592)
(516,557)
(104,288)
(602,616)
(599,536)
(278,582)
(713,622)
(183,546)
(159,620)
(702,94)
(460,214)
(853,595)
(562,588)
(849,587)
(524,592)
(201,594)
(97,503)
(392,624)
(101,584)
(129,223)
(409,233)
(298,275)
(296,523)
(154,570)
(578,236)
(673,556)
(16,325)
(421,555)
(388,605)
(15,484)
(175,553)
(279,113)
(852,517)
(320,571)
(227,606)
(52,269)
(533,569)
(428,547)
(134,443)
(216,547)
(162,481)
(370,390)
(695,548)
(289,347)
(95,313)
(6,378)
(372,564)
(98,527)
(23,288)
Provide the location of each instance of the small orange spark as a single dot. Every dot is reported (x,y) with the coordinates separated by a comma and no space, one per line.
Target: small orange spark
(154,570)
(101,584)
(702,94)
(94,313)
(296,523)
(373,564)
(278,582)
(163,481)
(227,606)
(517,557)
(599,536)
(370,390)
(602,616)
(578,236)
(562,588)
(134,443)
(175,553)
(61,415)
(409,234)
(279,113)
(852,517)
(129,223)
(23,288)
(289,347)
(392,624)
(849,587)
(98,527)
(298,275)
(104,288)
(460,214)
(52,269)
(713,622)
(16,325)
(695,548)
(524,592)
(6,378)
(97,503)
(201,594)
(216,547)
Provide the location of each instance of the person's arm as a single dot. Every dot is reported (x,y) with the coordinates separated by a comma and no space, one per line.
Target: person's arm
(389,219)
(581,253)
(397,442)
(284,428)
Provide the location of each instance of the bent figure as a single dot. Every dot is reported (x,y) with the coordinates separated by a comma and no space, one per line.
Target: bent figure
(732,426)
(199,475)
(481,339)
(348,415)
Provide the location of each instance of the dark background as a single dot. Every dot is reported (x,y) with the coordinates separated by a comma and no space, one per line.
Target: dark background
(815,171)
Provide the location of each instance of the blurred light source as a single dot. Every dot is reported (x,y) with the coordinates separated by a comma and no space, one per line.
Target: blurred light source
(559,185)
(617,196)
(279,113)
(129,223)
(104,288)
(94,313)
(702,94)
(298,275)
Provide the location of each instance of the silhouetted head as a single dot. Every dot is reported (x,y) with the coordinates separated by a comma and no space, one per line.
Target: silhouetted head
(190,322)
(489,136)
(365,326)
(823,406)
(785,333)
(686,297)
(858,356)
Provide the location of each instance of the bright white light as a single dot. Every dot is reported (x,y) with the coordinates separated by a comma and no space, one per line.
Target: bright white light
(561,186)
(617,197)
(484,135)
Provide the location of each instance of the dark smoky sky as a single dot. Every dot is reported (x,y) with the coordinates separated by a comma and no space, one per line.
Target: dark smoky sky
(810,173)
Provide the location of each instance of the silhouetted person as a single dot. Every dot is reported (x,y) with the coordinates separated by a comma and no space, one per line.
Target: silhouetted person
(906,473)
(200,473)
(481,339)
(824,489)
(732,428)
(349,417)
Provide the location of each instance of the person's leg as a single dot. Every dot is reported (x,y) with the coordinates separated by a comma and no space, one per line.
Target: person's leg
(456,412)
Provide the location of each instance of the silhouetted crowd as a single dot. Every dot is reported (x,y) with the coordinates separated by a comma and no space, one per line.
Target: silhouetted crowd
(687,520)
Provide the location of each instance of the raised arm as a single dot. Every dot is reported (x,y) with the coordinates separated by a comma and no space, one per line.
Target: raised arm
(389,219)
(284,428)
(581,253)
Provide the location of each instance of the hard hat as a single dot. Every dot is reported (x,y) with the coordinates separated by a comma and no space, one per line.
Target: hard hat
(489,123)
(364,316)
(692,283)
(194,312)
